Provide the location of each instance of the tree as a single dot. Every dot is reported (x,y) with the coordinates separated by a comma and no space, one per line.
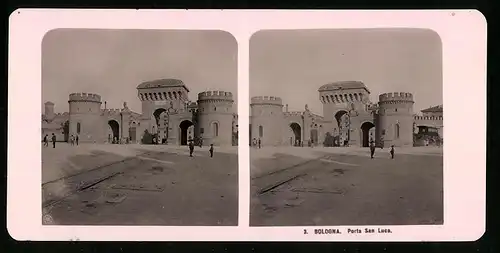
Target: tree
(147,138)
(66,131)
(329,140)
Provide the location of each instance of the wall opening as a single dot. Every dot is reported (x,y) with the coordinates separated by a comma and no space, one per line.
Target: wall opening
(261,131)
(342,119)
(184,126)
(115,129)
(78,127)
(314,136)
(215,128)
(66,131)
(297,133)
(132,134)
(366,138)
(157,114)
(397,131)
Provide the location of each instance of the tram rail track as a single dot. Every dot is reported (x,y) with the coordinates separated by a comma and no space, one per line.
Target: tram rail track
(87,183)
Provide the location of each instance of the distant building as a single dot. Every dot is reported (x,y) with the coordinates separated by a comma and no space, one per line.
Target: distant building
(166,112)
(349,117)
(431,121)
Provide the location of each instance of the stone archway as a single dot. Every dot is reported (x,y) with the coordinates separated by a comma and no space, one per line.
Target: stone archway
(341,117)
(365,128)
(115,129)
(184,126)
(338,117)
(297,130)
(157,115)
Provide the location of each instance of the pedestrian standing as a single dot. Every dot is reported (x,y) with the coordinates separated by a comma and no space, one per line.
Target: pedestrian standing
(392,151)
(372,149)
(77,139)
(201,141)
(191,148)
(46,140)
(53,140)
(72,140)
(259,142)
(211,150)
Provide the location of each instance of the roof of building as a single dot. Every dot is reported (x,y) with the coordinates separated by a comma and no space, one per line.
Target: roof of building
(343,85)
(49,103)
(437,108)
(161,83)
(51,125)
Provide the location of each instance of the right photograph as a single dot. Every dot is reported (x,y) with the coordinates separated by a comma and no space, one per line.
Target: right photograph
(346,127)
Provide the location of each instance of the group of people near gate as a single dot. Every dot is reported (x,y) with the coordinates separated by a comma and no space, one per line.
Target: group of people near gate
(191,147)
(46,140)
(73,139)
(256,143)
(372,149)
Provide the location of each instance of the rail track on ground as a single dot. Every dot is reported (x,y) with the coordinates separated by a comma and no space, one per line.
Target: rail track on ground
(87,178)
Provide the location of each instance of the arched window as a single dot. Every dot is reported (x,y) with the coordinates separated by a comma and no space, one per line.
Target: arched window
(78,128)
(261,131)
(216,129)
(397,131)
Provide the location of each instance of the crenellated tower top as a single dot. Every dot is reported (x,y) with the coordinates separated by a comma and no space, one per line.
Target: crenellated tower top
(84,97)
(266,100)
(215,96)
(396,98)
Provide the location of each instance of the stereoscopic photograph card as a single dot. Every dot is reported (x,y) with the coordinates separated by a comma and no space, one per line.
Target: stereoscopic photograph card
(246,125)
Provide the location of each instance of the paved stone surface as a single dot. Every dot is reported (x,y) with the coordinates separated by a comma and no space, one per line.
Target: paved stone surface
(147,186)
(348,188)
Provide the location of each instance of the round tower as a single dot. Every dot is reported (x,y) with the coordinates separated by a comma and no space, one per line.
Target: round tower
(395,119)
(215,117)
(49,110)
(267,120)
(84,116)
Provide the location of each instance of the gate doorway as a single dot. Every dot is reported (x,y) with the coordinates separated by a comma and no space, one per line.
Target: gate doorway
(132,134)
(314,136)
(365,128)
(184,127)
(115,128)
(297,133)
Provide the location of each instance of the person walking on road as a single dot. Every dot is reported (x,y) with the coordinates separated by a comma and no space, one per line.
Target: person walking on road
(372,149)
(211,150)
(392,151)
(53,140)
(46,140)
(259,143)
(76,138)
(191,148)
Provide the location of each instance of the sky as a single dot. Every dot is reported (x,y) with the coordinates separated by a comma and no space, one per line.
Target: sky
(112,63)
(293,64)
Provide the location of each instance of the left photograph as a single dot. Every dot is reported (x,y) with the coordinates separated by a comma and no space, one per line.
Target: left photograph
(139,127)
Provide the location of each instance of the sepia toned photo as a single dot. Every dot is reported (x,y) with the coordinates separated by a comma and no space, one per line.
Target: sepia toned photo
(139,127)
(346,127)
(124,125)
